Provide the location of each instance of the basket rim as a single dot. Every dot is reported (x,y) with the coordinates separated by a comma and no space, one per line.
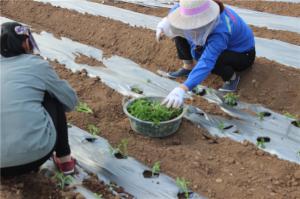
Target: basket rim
(127,103)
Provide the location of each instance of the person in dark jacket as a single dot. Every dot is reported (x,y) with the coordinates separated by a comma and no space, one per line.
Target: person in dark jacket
(215,37)
(33,105)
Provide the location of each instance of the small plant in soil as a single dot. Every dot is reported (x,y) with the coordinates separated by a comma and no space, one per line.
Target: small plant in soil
(296,123)
(261,143)
(82,107)
(152,111)
(221,126)
(231,99)
(121,150)
(261,115)
(183,186)
(63,180)
(93,129)
(98,196)
(156,168)
(136,89)
(289,115)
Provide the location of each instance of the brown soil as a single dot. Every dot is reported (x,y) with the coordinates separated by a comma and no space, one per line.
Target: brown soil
(83,59)
(286,36)
(217,168)
(270,79)
(33,186)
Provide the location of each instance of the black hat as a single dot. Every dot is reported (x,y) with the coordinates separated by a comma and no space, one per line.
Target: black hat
(13,35)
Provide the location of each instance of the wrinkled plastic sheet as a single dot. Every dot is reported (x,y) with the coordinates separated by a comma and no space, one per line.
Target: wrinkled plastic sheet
(285,53)
(260,19)
(121,74)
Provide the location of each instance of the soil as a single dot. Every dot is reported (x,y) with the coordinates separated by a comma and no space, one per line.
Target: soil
(83,59)
(33,186)
(264,84)
(216,168)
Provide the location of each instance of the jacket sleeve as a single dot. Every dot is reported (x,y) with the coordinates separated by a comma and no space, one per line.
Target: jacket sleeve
(60,89)
(216,44)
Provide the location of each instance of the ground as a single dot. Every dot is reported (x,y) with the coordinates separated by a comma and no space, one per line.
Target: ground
(216,168)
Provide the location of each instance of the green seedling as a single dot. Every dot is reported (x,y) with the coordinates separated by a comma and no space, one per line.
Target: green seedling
(149,81)
(98,196)
(298,153)
(261,116)
(83,108)
(152,111)
(296,123)
(136,89)
(183,186)
(93,130)
(261,143)
(289,115)
(221,126)
(155,168)
(231,99)
(121,148)
(63,180)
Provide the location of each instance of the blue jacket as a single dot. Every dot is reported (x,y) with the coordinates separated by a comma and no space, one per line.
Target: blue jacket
(232,34)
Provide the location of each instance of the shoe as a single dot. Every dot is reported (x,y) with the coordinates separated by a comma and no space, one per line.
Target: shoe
(231,85)
(182,72)
(67,168)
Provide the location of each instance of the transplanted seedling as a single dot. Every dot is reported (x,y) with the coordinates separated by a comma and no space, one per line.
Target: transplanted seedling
(231,99)
(221,126)
(121,150)
(83,108)
(136,89)
(98,196)
(261,143)
(183,186)
(93,129)
(63,180)
(289,115)
(156,168)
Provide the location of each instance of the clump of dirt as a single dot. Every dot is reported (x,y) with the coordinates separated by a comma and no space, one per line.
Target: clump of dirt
(216,168)
(83,59)
(139,45)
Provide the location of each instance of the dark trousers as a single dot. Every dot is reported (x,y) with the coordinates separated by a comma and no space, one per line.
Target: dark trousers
(227,63)
(62,148)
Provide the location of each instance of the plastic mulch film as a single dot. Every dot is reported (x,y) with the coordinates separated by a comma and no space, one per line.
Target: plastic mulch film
(260,19)
(265,47)
(122,74)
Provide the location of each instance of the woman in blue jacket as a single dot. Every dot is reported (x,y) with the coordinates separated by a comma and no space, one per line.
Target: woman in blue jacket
(212,35)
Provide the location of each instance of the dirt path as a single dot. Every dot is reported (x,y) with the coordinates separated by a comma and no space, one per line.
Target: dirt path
(286,36)
(224,169)
(271,84)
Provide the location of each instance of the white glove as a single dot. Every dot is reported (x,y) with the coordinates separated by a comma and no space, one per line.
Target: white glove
(163,28)
(175,98)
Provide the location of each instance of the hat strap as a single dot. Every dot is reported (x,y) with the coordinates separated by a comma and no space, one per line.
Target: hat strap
(194,11)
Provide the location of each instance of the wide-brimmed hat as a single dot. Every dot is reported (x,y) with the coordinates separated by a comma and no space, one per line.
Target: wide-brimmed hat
(192,14)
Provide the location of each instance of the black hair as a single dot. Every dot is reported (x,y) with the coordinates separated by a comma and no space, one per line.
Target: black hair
(221,5)
(11,42)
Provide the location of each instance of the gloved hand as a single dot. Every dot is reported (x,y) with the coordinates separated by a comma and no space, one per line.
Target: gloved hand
(175,98)
(163,28)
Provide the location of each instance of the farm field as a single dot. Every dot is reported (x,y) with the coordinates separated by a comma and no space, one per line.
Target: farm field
(215,166)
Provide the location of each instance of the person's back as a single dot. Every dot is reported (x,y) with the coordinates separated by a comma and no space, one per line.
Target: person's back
(22,115)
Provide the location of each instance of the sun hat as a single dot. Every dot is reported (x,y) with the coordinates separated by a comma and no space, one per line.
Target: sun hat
(13,35)
(192,14)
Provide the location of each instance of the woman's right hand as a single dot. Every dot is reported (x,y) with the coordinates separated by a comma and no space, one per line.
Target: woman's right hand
(163,28)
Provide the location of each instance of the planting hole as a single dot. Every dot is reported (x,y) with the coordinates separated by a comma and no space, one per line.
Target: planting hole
(228,127)
(263,139)
(90,139)
(296,123)
(182,195)
(120,156)
(149,174)
(266,114)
